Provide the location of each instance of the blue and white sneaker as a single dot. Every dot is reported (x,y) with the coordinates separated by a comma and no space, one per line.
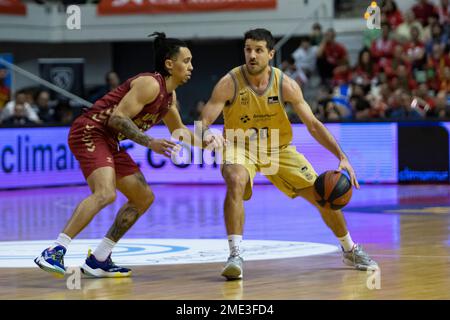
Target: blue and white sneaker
(52,260)
(103,269)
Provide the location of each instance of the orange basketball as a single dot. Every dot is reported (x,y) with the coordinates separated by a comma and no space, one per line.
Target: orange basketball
(332,190)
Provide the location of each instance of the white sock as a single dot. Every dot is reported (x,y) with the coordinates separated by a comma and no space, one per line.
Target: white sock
(234,242)
(63,240)
(104,249)
(347,242)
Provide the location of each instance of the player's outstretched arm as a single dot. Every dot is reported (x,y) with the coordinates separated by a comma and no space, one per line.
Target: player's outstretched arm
(293,94)
(223,92)
(143,91)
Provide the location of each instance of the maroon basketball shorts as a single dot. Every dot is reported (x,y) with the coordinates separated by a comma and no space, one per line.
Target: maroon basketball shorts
(94,148)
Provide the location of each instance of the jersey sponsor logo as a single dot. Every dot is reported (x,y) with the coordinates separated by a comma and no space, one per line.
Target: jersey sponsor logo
(307,174)
(244,97)
(264,117)
(273,99)
(245,118)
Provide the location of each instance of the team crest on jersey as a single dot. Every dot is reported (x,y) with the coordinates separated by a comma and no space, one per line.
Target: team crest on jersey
(272,100)
(244,97)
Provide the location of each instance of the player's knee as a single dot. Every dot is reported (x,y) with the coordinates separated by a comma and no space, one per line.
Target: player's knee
(145,201)
(105,197)
(236,181)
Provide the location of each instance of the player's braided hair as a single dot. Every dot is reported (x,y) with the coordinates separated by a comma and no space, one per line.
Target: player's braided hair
(165,48)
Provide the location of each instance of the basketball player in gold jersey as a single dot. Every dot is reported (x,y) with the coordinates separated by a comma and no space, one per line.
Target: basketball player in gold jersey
(252,97)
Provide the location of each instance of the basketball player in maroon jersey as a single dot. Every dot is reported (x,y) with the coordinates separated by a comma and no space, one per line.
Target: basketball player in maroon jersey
(126,112)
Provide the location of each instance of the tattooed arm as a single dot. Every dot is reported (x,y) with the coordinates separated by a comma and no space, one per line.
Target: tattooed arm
(143,90)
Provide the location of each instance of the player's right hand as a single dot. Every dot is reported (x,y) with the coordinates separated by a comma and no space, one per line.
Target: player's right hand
(214,141)
(164,147)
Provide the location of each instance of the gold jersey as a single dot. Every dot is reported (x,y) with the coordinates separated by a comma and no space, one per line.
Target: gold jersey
(261,115)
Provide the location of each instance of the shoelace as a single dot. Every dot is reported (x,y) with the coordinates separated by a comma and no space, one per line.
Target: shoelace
(110,262)
(59,256)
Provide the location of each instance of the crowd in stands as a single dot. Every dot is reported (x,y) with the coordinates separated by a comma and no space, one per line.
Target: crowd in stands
(402,73)
(35,106)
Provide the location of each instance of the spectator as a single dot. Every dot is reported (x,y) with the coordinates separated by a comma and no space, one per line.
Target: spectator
(20,98)
(403,31)
(415,50)
(323,97)
(42,104)
(112,81)
(335,112)
(316,34)
(442,109)
(340,100)
(19,116)
(383,48)
(402,79)
(423,10)
(444,13)
(359,104)
(305,57)
(436,64)
(445,82)
(330,110)
(378,100)
(393,15)
(5,92)
(400,107)
(423,101)
(29,95)
(330,55)
(437,36)
(342,74)
(289,68)
(399,58)
(64,113)
(366,69)
(427,31)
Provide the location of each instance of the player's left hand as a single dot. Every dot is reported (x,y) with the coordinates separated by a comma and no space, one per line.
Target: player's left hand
(345,165)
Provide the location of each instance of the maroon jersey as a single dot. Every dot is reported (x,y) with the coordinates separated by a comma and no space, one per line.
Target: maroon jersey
(151,114)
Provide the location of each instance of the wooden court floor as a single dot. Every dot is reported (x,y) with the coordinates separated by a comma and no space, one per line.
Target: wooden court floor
(404,228)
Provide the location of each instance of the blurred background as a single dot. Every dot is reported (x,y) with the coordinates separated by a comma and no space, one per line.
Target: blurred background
(348,72)
(57,58)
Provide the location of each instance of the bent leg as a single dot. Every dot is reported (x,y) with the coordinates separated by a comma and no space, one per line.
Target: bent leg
(102,183)
(353,254)
(140,197)
(334,219)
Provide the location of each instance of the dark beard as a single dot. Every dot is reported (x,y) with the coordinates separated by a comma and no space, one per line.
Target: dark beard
(256,73)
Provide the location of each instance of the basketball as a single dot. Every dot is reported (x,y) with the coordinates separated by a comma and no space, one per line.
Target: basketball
(332,190)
